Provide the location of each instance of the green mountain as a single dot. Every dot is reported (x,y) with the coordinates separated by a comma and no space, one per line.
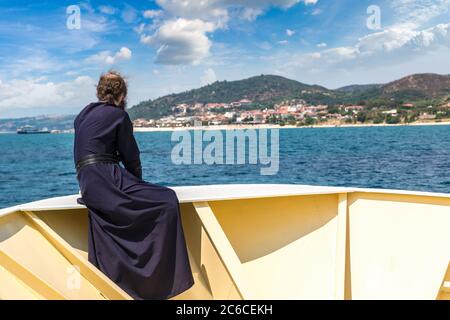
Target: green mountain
(359,88)
(419,89)
(425,86)
(266,90)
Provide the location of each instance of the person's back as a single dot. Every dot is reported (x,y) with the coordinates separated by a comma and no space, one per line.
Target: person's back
(135,232)
(103,128)
(96,129)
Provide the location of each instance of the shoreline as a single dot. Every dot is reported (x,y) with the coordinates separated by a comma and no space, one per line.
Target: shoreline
(273,126)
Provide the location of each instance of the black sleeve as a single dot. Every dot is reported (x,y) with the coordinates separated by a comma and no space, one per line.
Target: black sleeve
(127,147)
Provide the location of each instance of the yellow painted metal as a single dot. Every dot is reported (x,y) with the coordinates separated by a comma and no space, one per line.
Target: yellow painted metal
(342,245)
(16,282)
(31,252)
(12,288)
(70,225)
(27,247)
(106,287)
(213,280)
(219,260)
(444,292)
(286,245)
(399,245)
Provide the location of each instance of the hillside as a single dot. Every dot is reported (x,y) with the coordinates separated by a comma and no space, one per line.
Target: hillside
(421,89)
(426,86)
(266,90)
(358,88)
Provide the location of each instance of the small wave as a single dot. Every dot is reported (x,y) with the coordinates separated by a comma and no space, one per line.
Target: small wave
(66,174)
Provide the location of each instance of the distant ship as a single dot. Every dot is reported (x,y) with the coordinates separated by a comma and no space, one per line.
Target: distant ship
(31,130)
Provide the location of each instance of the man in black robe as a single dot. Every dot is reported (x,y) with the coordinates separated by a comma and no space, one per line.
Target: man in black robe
(135,232)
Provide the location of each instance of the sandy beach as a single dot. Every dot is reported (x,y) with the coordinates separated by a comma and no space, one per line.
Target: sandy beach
(273,126)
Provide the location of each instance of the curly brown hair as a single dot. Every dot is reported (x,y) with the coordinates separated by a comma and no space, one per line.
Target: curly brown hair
(112,89)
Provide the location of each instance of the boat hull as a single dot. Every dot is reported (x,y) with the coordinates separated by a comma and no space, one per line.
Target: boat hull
(259,242)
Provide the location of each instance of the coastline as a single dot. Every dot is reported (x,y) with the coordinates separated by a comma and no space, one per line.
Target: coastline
(273,126)
(269,126)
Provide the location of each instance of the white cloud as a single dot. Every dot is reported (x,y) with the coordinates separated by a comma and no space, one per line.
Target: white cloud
(316,12)
(339,55)
(396,45)
(219,9)
(283,42)
(123,54)
(139,29)
(129,14)
(41,37)
(406,40)
(107,10)
(289,32)
(251,14)
(418,12)
(265,45)
(208,77)
(105,57)
(194,9)
(389,47)
(97,24)
(151,14)
(39,62)
(181,41)
(87,7)
(37,93)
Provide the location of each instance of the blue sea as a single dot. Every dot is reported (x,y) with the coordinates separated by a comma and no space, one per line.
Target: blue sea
(34,167)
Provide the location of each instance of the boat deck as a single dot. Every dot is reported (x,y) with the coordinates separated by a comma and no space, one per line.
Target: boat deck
(252,242)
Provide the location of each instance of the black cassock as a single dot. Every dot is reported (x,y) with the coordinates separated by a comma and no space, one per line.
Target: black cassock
(135,232)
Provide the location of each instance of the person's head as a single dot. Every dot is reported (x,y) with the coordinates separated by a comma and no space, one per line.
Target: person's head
(112,89)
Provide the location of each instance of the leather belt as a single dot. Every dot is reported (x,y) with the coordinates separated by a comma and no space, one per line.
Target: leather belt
(96,158)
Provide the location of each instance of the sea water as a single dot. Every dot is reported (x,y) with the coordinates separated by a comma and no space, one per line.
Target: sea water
(34,167)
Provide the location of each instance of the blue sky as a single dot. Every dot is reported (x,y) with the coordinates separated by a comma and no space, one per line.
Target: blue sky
(167,46)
